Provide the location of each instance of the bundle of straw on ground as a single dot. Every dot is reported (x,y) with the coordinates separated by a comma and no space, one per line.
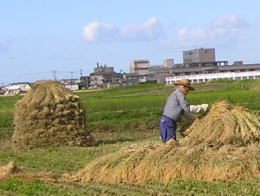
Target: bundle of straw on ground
(225,125)
(9,169)
(212,150)
(12,170)
(49,115)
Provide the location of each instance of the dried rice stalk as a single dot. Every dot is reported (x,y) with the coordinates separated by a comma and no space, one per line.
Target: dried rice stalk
(225,125)
(50,114)
(223,145)
(8,169)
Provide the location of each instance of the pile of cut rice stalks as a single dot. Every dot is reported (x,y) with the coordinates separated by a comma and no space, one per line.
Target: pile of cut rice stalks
(50,115)
(223,145)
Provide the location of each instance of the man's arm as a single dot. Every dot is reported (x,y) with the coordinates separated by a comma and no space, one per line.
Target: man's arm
(186,107)
(183,103)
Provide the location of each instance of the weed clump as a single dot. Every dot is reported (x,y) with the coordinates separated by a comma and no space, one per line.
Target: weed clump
(223,145)
(49,114)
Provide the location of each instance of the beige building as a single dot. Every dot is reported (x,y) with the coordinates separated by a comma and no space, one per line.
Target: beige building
(103,69)
(199,55)
(140,66)
(168,62)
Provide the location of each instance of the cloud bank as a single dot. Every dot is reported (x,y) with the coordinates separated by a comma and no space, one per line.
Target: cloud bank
(230,29)
(151,29)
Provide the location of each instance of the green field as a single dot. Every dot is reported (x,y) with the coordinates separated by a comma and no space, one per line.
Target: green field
(118,117)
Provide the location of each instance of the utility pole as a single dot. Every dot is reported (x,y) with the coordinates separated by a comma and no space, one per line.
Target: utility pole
(54,75)
(71,76)
(80,71)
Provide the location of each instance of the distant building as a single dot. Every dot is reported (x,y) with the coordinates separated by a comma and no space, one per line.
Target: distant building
(168,62)
(159,73)
(199,55)
(104,77)
(71,84)
(103,69)
(139,71)
(2,91)
(133,78)
(238,63)
(140,67)
(17,88)
(84,82)
(214,76)
(113,84)
(199,65)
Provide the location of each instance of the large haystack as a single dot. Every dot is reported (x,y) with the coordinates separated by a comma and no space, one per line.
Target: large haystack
(223,145)
(49,114)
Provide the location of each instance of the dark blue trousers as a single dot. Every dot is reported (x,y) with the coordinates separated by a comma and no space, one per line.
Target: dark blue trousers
(167,128)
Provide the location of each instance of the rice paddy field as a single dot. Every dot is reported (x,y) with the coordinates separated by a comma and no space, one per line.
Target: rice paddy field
(118,118)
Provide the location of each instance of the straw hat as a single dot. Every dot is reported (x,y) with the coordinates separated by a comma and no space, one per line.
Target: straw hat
(184,82)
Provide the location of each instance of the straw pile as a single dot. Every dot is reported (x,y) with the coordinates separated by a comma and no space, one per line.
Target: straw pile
(223,145)
(225,125)
(49,114)
(12,170)
(8,169)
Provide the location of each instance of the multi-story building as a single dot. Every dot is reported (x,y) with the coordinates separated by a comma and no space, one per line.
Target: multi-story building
(140,67)
(84,82)
(141,71)
(168,62)
(103,69)
(214,76)
(197,64)
(196,74)
(133,78)
(199,56)
(104,77)
(71,84)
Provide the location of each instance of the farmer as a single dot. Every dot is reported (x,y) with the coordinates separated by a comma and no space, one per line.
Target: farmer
(175,107)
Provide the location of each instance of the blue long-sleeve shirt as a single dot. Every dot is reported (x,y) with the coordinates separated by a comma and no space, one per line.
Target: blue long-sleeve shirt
(176,106)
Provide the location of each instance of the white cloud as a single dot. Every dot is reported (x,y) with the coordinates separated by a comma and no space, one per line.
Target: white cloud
(231,21)
(192,34)
(149,30)
(98,32)
(224,30)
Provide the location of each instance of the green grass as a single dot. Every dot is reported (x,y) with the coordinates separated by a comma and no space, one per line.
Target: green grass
(118,117)
(52,158)
(6,114)
(178,187)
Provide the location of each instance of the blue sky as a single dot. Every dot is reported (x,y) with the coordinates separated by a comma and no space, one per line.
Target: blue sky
(38,37)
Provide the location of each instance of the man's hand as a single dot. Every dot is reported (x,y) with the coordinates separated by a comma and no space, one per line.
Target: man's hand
(198,108)
(204,107)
